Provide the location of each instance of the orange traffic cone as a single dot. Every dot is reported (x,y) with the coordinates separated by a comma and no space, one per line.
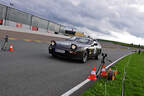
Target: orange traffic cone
(103,71)
(93,74)
(11,48)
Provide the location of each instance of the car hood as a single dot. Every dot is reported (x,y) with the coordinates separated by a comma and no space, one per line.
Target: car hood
(67,44)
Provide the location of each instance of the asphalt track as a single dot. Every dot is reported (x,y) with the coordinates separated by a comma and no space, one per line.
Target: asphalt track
(31,71)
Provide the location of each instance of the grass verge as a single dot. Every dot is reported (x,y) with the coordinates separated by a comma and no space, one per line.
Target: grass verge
(134,82)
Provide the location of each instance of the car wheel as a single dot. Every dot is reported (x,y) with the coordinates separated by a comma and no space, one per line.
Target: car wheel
(96,57)
(100,51)
(85,57)
(53,54)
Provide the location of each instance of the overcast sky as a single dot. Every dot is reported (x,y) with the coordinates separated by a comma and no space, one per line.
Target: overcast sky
(120,20)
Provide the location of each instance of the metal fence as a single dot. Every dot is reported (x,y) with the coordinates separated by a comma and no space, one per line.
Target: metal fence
(16,18)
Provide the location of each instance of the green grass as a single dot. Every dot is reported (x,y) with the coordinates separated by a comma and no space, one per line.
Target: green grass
(134,83)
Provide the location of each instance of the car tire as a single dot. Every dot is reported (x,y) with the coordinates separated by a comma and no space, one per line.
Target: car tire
(85,57)
(96,57)
(53,54)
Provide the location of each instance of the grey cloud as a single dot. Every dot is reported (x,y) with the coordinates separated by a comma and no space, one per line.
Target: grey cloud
(92,14)
(118,24)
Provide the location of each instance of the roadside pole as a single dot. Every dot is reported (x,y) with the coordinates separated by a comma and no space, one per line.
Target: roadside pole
(124,76)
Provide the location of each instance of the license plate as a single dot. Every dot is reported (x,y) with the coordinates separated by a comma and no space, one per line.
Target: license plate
(59,51)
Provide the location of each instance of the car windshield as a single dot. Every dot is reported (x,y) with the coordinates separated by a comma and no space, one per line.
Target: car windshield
(72,39)
(82,40)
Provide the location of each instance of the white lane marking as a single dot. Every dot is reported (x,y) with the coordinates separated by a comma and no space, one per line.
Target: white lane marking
(75,88)
(117,60)
(68,93)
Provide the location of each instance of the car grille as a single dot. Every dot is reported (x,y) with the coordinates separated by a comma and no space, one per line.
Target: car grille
(62,47)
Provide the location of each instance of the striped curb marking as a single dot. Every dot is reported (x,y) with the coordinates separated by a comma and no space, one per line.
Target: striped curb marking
(13,39)
(29,40)
(38,41)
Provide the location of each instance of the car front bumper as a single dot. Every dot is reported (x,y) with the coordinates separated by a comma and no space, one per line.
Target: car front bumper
(67,53)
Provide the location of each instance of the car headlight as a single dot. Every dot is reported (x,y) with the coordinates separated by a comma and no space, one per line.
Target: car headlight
(73,46)
(53,43)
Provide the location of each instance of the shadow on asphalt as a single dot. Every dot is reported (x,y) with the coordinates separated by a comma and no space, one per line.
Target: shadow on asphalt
(63,59)
(69,60)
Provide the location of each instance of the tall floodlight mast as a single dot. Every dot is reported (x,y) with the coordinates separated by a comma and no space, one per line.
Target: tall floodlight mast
(11,4)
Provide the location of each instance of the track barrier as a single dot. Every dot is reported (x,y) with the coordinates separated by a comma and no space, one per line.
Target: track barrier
(11,48)
(103,71)
(19,25)
(34,28)
(93,74)
(1,21)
